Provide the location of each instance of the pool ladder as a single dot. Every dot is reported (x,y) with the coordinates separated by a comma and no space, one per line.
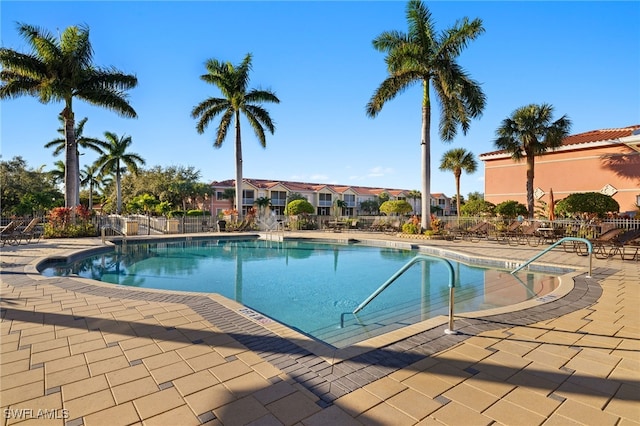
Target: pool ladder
(560,241)
(407,266)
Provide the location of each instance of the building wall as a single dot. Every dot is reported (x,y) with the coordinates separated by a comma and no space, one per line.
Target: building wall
(567,172)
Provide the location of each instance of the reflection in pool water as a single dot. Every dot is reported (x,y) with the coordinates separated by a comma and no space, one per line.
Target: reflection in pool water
(310,286)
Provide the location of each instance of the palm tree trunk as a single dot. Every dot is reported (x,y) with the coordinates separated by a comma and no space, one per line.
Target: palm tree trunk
(90,193)
(238,167)
(530,175)
(118,190)
(457,176)
(71,170)
(426,158)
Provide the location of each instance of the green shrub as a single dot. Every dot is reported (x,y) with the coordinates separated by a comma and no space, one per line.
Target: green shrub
(410,228)
(197,213)
(297,207)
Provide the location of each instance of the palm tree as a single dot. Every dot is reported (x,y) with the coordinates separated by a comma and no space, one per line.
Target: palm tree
(117,160)
(429,58)
(61,70)
(90,177)
(81,142)
(58,173)
(237,98)
(458,160)
(413,195)
(528,132)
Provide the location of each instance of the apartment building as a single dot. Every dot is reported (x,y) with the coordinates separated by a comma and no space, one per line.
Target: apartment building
(321,196)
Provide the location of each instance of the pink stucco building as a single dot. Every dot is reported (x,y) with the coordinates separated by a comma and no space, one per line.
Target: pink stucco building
(606,161)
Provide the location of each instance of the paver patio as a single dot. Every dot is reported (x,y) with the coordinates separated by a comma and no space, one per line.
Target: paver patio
(76,353)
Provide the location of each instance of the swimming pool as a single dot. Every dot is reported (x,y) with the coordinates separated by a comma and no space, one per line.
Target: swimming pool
(310,286)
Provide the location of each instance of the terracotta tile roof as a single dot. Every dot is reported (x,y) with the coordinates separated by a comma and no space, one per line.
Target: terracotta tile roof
(601,135)
(313,187)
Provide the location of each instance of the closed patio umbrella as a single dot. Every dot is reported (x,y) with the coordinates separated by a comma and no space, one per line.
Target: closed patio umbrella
(552,205)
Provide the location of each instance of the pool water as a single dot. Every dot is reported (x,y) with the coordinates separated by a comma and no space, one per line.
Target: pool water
(311,286)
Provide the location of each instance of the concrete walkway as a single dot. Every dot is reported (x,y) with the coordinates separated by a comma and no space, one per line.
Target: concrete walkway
(74,352)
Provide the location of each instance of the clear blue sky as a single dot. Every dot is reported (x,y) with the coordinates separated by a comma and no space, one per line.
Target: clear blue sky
(581,57)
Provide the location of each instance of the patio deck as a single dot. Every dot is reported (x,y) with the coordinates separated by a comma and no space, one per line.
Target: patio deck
(78,353)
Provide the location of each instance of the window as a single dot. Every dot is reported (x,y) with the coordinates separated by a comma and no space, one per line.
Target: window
(350,199)
(219,195)
(324,200)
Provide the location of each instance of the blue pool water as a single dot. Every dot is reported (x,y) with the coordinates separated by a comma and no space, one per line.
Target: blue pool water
(310,286)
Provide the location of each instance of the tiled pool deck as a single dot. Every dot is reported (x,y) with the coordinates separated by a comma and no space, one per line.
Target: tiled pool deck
(75,353)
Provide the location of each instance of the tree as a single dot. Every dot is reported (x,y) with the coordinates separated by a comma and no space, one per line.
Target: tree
(262,203)
(588,202)
(396,207)
(237,98)
(457,160)
(229,194)
(414,195)
(510,209)
(529,132)
(339,206)
(59,172)
(24,190)
(82,141)
(59,71)
(90,177)
(477,207)
(116,160)
(297,207)
(426,57)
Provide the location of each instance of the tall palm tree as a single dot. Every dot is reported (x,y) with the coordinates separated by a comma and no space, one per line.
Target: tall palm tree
(116,160)
(237,98)
(458,160)
(82,141)
(59,71)
(529,132)
(425,57)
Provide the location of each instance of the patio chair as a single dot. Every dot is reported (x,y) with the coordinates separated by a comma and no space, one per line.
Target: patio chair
(10,234)
(32,232)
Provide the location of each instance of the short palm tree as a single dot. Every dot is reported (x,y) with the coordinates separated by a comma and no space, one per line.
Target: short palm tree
(61,71)
(58,173)
(423,56)
(458,160)
(413,195)
(529,132)
(82,141)
(90,177)
(116,160)
(237,99)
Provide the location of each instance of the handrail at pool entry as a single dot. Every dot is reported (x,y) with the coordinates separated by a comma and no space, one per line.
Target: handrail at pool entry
(416,259)
(560,241)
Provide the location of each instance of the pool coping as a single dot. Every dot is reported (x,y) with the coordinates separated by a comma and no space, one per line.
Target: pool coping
(323,370)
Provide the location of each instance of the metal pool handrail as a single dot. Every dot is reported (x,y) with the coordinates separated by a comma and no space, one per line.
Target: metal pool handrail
(416,259)
(560,241)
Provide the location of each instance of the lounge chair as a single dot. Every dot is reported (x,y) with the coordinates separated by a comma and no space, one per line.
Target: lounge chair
(626,245)
(32,232)
(600,244)
(10,234)
(476,232)
(509,233)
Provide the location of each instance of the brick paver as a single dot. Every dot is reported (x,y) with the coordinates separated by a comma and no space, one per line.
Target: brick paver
(91,354)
